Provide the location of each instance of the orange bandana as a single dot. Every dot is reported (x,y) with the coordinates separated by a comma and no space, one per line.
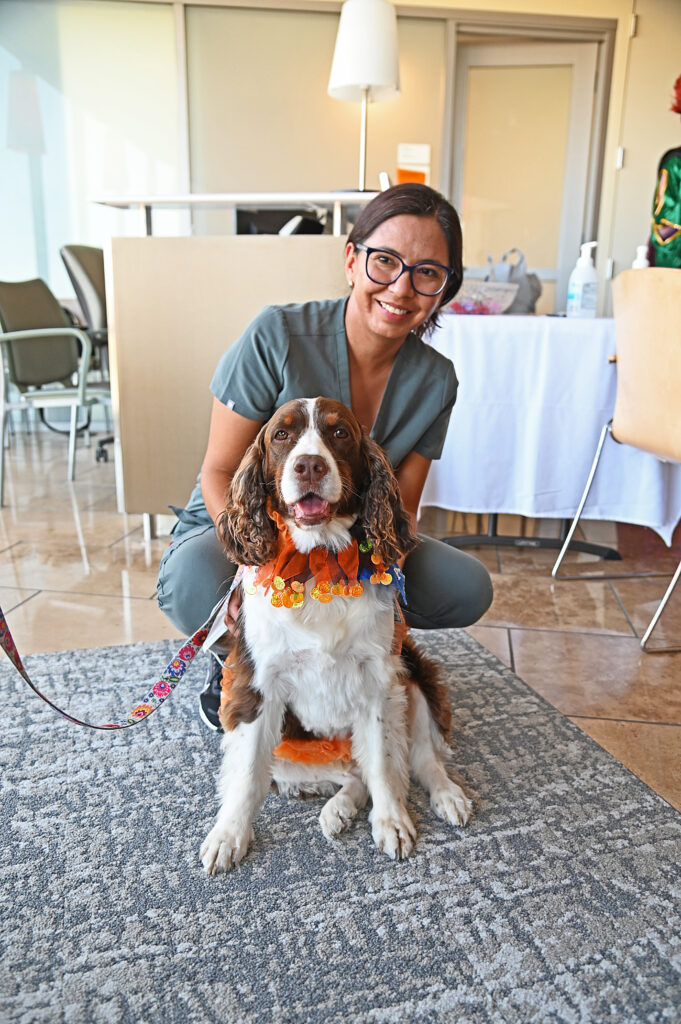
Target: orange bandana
(334,575)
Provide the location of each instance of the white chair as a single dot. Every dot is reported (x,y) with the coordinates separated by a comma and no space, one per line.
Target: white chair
(85,267)
(648,401)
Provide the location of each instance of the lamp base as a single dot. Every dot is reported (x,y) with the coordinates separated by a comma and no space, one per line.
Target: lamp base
(363,141)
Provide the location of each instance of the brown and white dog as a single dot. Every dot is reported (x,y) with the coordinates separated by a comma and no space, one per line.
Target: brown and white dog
(325,667)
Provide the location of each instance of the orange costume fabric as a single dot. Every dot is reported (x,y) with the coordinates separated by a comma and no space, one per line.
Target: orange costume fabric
(307,751)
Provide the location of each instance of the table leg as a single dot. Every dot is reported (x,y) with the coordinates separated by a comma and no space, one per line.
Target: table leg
(493,539)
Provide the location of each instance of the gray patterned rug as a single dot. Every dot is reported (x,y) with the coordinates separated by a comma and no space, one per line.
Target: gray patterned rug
(559,902)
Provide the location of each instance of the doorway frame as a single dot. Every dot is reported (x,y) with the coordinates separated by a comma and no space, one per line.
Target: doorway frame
(582,57)
(485,26)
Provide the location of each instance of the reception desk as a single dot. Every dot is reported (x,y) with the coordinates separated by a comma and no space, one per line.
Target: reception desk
(174,306)
(534,395)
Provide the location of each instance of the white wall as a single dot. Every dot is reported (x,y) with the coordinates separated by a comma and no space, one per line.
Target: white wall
(260,116)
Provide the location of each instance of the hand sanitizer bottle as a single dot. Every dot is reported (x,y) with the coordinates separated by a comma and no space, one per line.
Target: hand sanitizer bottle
(583,284)
(641,261)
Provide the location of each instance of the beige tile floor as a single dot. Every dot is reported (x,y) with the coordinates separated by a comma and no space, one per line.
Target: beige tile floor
(75,573)
(576,641)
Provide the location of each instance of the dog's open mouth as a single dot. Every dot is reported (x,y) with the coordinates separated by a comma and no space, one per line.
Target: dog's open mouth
(310,510)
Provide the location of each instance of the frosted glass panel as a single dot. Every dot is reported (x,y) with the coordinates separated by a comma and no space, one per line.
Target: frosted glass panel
(515,201)
(88,106)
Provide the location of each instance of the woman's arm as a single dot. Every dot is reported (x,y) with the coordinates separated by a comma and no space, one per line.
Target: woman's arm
(411,477)
(229,436)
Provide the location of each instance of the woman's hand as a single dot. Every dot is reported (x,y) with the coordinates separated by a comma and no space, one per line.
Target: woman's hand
(233,609)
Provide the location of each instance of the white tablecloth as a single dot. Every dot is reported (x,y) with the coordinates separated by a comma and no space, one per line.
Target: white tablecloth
(534,393)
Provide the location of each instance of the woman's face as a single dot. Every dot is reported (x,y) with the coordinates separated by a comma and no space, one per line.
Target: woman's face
(392,310)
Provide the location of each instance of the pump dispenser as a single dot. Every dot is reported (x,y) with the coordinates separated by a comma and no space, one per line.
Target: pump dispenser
(583,284)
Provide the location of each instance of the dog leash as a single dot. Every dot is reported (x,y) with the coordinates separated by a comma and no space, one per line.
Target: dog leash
(204,638)
(159,692)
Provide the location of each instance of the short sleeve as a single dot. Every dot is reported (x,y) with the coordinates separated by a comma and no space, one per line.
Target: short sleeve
(249,375)
(431,442)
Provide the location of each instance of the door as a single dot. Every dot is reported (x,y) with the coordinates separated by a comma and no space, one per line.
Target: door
(522,135)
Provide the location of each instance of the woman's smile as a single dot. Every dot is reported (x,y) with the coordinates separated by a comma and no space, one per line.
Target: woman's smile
(391,311)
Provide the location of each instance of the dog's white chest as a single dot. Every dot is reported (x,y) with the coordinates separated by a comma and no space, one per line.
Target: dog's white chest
(324,661)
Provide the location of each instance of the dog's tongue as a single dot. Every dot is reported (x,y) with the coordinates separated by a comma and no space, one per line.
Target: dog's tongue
(312,505)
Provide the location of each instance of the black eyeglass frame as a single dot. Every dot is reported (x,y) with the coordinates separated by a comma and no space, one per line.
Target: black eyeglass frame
(368,249)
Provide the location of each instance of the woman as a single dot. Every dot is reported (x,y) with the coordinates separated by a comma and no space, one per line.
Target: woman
(402,262)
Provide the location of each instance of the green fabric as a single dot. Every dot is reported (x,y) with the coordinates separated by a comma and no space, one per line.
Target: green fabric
(300,351)
(665,237)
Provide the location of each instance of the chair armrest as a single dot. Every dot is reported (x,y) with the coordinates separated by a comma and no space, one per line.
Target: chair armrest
(50,332)
(99,335)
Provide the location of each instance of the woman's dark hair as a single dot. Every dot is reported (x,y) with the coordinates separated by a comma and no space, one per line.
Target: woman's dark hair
(420,201)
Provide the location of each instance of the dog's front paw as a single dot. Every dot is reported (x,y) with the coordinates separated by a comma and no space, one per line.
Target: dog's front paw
(451,804)
(394,835)
(337,813)
(224,847)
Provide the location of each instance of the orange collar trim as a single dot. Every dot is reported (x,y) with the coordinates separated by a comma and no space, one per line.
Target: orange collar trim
(335,575)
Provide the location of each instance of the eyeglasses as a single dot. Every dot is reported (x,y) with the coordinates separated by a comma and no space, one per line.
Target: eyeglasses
(384,267)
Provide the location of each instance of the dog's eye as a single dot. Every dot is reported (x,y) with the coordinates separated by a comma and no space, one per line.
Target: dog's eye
(281,435)
(340,432)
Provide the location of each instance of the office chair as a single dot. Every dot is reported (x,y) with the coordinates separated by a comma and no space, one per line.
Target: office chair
(85,267)
(648,400)
(300,225)
(41,359)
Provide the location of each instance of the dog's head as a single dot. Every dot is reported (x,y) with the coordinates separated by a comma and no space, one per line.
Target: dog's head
(322,473)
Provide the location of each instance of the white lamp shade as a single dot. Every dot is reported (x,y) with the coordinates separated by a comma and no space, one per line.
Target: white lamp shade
(366,52)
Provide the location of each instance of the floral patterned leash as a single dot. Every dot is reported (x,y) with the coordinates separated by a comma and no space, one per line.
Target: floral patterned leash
(159,692)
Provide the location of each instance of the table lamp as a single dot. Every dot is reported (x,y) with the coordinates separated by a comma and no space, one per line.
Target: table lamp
(365,65)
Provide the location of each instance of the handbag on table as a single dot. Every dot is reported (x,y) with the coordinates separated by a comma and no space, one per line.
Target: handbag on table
(529,285)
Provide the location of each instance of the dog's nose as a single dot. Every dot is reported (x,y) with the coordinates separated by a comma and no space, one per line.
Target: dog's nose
(310,469)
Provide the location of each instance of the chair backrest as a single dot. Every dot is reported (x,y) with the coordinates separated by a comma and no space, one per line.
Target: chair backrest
(29,306)
(85,267)
(648,337)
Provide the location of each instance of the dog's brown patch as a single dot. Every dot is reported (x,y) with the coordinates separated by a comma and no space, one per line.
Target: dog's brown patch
(239,703)
(294,730)
(426,675)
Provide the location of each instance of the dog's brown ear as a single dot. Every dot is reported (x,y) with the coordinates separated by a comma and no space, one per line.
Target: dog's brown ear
(382,515)
(248,534)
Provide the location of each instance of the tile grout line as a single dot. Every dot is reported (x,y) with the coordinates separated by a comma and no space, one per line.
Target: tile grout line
(3,551)
(581,631)
(24,601)
(626,721)
(87,593)
(624,610)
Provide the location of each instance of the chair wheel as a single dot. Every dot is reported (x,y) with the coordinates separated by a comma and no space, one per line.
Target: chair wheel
(102,455)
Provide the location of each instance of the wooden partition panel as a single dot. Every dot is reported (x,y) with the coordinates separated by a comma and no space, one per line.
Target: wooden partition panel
(174,306)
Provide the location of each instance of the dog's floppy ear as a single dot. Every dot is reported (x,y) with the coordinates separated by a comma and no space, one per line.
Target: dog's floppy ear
(382,515)
(248,534)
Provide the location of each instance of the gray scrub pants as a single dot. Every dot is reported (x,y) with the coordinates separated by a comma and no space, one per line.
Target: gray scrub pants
(445,587)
